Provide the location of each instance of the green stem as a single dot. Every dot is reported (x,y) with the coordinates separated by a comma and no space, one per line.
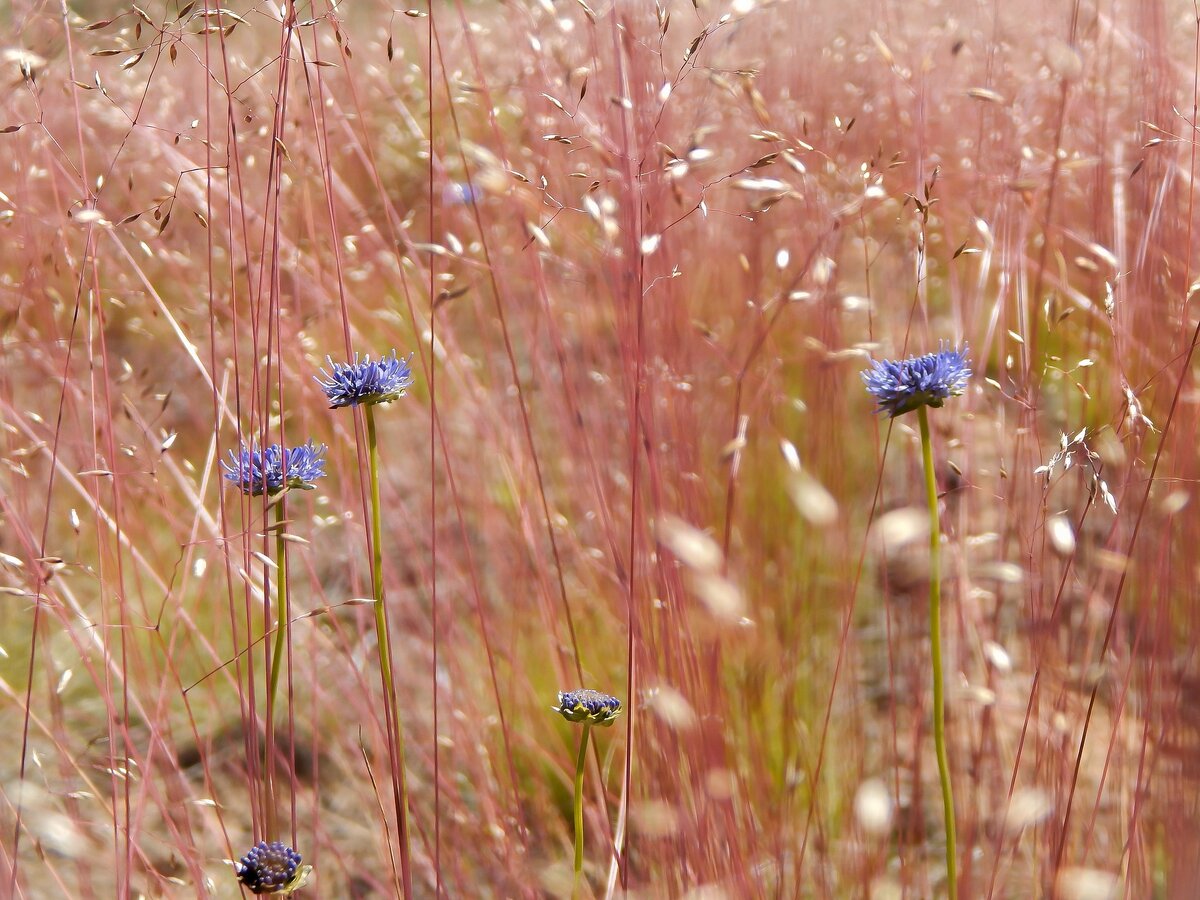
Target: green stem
(580,764)
(384,645)
(276,662)
(281,602)
(935,639)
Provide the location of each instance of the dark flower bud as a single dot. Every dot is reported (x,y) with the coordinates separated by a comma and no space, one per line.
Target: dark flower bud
(271,867)
(588,706)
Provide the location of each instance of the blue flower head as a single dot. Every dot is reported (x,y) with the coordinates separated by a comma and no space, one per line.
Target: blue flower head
(900,386)
(270,471)
(272,868)
(588,706)
(365,381)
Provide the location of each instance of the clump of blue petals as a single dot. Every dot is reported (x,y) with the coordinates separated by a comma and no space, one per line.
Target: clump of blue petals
(269,868)
(270,471)
(585,705)
(365,381)
(900,386)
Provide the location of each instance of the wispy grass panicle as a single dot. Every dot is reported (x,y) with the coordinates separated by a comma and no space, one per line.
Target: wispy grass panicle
(272,867)
(365,381)
(274,469)
(901,386)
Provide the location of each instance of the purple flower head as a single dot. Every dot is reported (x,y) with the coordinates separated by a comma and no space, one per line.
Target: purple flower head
(900,386)
(270,471)
(270,868)
(589,706)
(365,381)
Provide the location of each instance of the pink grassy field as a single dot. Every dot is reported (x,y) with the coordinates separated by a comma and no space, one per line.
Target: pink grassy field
(640,253)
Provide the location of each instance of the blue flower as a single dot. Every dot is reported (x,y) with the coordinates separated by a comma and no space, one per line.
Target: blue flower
(900,386)
(460,193)
(587,705)
(272,470)
(271,868)
(365,381)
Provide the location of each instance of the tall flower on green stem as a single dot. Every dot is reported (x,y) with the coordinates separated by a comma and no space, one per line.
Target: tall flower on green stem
(274,471)
(368,383)
(899,387)
(591,708)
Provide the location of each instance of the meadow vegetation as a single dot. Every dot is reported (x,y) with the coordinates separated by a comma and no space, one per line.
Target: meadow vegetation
(640,252)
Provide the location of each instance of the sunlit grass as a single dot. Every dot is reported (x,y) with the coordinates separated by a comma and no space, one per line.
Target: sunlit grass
(640,254)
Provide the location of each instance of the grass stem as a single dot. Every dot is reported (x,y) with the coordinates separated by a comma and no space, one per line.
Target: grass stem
(276,661)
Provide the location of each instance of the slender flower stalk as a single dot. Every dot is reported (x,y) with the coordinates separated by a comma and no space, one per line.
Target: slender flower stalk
(281,600)
(580,764)
(368,383)
(276,660)
(899,387)
(935,642)
(383,641)
(590,708)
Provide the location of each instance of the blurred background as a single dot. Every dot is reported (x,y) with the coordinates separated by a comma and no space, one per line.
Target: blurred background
(640,253)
